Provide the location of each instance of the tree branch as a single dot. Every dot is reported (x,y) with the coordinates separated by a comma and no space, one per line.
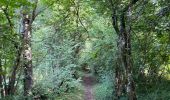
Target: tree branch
(122,17)
(7,16)
(34,11)
(114,17)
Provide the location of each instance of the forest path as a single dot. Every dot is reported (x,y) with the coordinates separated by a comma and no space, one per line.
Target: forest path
(88,82)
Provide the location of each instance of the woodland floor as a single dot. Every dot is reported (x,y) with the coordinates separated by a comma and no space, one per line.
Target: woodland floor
(88,82)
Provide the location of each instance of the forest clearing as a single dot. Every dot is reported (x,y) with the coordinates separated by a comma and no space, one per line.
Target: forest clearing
(84,49)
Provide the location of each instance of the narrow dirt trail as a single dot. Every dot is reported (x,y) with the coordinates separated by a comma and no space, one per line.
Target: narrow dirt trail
(88,82)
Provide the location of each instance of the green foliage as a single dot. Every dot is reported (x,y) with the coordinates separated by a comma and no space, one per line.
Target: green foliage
(104,91)
(67,34)
(55,75)
(156,91)
(157,95)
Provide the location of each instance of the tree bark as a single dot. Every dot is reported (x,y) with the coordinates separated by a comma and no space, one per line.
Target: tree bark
(27,54)
(27,20)
(1,80)
(123,69)
(130,86)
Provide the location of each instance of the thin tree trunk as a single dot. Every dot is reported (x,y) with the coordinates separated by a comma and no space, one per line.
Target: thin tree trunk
(1,80)
(5,85)
(11,87)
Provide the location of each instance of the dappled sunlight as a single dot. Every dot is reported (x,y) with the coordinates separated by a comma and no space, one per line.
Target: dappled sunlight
(165,71)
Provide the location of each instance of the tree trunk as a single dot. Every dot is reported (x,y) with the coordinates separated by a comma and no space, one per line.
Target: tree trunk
(27,54)
(5,84)
(1,80)
(123,70)
(125,47)
(130,82)
(27,20)
(11,87)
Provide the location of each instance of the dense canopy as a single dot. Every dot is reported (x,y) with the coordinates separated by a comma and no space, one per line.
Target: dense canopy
(85,49)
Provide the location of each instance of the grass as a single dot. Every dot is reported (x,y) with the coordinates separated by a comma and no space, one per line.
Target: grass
(76,95)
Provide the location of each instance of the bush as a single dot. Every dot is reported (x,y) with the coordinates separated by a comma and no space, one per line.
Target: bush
(52,85)
(105,89)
